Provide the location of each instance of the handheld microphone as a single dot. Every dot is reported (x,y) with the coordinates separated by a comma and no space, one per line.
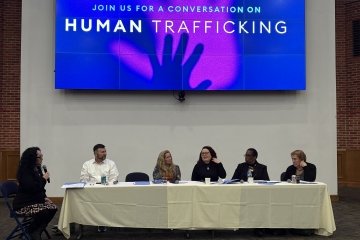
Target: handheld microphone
(45,171)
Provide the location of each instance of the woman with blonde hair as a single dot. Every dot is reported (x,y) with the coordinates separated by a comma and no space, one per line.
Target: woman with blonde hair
(165,169)
(304,170)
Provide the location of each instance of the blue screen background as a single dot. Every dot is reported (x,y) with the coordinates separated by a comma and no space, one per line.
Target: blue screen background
(156,59)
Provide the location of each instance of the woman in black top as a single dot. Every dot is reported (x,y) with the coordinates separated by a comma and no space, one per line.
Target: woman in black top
(208,166)
(304,170)
(31,199)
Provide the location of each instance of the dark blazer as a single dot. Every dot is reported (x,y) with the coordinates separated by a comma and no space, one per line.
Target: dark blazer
(309,172)
(259,173)
(212,170)
(31,189)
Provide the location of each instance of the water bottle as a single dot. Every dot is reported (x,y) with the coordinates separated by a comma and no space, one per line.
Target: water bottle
(103,179)
(250,176)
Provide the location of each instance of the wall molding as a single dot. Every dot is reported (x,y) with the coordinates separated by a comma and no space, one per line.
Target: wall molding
(9,162)
(57,200)
(348,167)
(334,198)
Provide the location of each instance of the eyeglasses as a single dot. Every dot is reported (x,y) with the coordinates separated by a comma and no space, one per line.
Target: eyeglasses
(205,153)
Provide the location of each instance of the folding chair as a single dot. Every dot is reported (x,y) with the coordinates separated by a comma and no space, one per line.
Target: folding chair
(137,177)
(283,177)
(9,189)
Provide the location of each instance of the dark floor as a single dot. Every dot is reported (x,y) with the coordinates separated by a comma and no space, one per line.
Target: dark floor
(346,211)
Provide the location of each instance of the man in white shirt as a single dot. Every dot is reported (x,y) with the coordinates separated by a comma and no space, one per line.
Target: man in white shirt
(93,169)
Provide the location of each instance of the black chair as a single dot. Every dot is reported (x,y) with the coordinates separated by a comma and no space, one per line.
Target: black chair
(137,177)
(282,177)
(9,189)
(1,196)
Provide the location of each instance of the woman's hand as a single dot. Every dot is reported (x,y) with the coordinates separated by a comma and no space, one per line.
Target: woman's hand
(215,160)
(46,176)
(303,164)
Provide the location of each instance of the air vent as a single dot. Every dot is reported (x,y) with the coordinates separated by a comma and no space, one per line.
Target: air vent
(356,38)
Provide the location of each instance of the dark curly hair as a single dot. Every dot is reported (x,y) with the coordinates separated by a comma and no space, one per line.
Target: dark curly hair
(28,160)
(211,150)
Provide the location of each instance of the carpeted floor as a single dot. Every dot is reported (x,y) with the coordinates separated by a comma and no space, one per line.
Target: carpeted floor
(346,211)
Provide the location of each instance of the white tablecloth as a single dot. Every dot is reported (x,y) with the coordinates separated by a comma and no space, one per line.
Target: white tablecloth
(199,206)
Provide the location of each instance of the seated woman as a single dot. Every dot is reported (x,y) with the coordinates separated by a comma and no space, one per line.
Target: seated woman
(208,166)
(165,169)
(31,199)
(305,170)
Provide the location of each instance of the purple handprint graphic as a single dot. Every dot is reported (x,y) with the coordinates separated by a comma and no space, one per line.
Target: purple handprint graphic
(172,71)
(173,54)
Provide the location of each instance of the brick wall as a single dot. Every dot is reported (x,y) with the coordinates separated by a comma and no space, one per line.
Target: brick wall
(347,76)
(10,40)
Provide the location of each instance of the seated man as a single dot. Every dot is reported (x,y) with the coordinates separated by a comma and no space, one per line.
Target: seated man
(259,171)
(93,169)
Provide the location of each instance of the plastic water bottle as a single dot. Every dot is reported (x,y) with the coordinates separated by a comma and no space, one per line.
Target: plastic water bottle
(250,176)
(103,179)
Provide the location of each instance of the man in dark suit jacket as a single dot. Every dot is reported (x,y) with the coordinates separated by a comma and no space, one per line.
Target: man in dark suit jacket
(259,171)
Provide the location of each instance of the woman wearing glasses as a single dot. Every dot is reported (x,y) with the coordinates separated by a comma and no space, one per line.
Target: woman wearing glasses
(208,166)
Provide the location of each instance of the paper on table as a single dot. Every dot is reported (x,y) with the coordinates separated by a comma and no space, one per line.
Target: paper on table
(230,181)
(74,185)
(142,183)
(267,182)
(306,182)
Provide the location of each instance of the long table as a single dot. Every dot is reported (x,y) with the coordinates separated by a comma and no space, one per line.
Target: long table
(195,205)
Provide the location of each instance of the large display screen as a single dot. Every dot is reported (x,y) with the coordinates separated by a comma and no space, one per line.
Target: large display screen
(180,44)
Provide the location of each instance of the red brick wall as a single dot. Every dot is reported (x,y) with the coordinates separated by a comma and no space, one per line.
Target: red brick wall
(10,40)
(347,77)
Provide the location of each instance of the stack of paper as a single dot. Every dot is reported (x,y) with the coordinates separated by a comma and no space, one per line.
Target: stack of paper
(74,185)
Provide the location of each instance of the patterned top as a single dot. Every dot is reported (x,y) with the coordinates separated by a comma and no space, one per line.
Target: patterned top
(169,176)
